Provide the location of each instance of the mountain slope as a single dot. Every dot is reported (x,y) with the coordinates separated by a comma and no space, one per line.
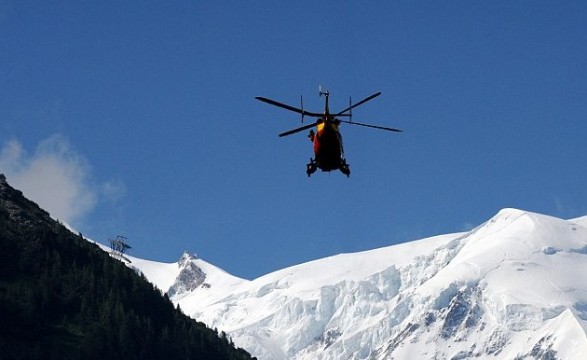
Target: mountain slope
(511,288)
(63,298)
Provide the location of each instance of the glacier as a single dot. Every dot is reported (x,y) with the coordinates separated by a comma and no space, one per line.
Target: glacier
(512,288)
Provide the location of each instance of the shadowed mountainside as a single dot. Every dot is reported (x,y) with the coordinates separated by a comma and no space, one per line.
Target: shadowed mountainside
(61,297)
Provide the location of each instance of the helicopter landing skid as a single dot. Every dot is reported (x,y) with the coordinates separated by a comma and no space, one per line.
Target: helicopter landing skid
(311,167)
(344,168)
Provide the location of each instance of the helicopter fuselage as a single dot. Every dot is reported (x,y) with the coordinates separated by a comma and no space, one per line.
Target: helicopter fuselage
(327,141)
(328,148)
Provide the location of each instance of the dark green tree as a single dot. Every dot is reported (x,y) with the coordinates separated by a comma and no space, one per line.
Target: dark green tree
(62,297)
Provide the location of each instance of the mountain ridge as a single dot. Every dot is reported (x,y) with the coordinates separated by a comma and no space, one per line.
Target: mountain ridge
(61,297)
(507,289)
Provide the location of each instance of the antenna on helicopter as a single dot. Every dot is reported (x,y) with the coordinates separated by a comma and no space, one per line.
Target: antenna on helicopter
(320,92)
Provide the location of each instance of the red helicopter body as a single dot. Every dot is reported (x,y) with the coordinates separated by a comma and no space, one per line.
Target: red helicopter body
(328,148)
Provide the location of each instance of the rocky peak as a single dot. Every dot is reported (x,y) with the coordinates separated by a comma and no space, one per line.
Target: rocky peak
(186,258)
(19,209)
(190,277)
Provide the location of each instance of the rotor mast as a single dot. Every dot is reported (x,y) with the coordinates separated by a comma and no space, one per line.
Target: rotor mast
(326,94)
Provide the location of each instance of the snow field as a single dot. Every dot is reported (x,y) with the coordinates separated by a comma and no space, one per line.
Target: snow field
(511,288)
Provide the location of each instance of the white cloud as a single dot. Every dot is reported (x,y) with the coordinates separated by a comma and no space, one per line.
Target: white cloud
(56,177)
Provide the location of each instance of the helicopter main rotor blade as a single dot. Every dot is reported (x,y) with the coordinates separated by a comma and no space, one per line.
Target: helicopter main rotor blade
(360,103)
(305,127)
(370,126)
(287,107)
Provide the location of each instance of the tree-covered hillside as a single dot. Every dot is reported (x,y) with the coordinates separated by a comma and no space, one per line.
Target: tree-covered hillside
(61,297)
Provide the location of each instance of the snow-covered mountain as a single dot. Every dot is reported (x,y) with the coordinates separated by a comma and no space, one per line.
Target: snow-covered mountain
(513,288)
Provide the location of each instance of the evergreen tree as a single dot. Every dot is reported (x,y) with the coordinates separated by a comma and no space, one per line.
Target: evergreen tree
(62,297)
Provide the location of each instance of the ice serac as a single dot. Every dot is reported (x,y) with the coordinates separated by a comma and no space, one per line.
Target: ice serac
(512,288)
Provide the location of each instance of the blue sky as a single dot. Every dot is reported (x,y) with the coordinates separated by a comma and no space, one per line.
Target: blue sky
(139,118)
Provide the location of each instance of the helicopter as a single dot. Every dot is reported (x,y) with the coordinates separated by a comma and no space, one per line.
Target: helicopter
(327,140)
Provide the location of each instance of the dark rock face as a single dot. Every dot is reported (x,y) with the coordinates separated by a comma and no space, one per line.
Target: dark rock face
(463,311)
(20,210)
(189,278)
